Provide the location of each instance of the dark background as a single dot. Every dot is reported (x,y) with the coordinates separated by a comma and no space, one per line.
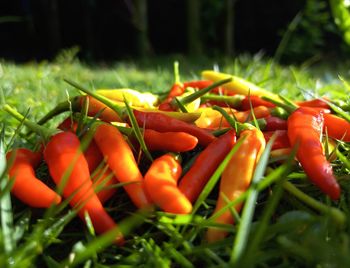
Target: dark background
(106,29)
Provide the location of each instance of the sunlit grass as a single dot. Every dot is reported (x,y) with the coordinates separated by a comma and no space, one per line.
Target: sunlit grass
(284,230)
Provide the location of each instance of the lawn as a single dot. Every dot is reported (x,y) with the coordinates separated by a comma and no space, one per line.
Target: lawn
(293,224)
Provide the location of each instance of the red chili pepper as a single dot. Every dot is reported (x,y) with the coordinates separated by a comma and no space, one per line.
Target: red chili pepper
(337,127)
(27,187)
(176,90)
(169,141)
(199,84)
(161,185)
(317,103)
(205,165)
(163,123)
(121,161)
(281,141)
(68,125)
(275,123)
(305,128)
(236,178)
(255,101)
(64,157)
(166,106)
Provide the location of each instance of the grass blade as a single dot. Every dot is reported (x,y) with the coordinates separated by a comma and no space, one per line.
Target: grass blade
(5,201)
(244,227)
(259,233)
(137,131)
(101,242)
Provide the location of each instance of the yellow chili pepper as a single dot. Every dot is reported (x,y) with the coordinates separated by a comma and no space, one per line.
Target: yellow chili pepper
(238,85)
(135,98)
(237,177)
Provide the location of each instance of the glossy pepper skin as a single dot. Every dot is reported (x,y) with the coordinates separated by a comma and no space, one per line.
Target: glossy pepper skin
(169,141)
(161,185)
(27,187)
(163,123)
(64,157)
(237,177)
(337,127)
(121,161)
(193,182)
(305,128)
(101,176)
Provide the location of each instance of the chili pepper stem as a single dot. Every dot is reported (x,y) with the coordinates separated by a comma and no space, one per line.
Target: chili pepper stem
(335,213)
(42,131)
(119,110)
(60,108)
(289,108)
(234,123)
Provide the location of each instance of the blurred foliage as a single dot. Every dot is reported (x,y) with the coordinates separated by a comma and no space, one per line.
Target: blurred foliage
(321,28)
(341,16)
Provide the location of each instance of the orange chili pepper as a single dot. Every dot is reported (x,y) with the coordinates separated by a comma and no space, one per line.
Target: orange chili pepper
(27,187)
(205,165)
(121,161)
(161,185)
(237,177)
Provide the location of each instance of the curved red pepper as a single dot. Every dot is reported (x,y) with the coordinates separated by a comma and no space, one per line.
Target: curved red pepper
(305,128)
(64,157)
(205,165)
(27,187)
(163,123)
(169,141)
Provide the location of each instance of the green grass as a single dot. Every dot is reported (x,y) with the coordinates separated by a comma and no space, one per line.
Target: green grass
(288,222)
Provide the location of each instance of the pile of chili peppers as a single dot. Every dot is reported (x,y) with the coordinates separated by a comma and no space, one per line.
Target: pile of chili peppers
(123,137)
